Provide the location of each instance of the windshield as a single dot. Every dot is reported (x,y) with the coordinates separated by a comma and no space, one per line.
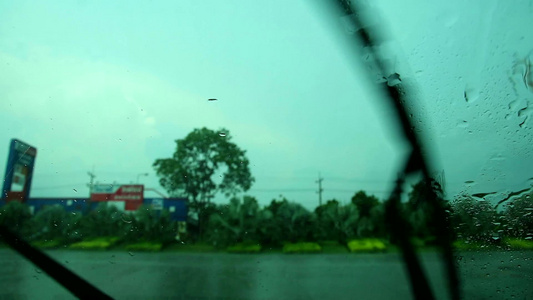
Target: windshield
(245,151)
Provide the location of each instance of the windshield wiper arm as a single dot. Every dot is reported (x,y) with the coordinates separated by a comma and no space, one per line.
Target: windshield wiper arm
(78,286)
(416,162)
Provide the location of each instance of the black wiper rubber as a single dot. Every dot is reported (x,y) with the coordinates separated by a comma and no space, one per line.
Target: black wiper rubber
(78,286)
(416,163)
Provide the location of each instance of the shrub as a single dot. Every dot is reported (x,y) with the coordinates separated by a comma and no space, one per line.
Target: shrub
(465,245)
(95,243)
(53,222)
(15,216)
(366,245)
(333,247)
(48,244)
(301,248)
(236,222)
(244,248)
(519,244)
(147,224)
(337,222)
(104,220)
(145,246)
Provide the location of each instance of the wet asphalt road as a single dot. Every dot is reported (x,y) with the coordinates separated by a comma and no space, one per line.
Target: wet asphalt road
(488,275)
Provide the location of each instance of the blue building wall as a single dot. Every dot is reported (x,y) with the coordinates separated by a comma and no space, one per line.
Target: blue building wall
(177,207)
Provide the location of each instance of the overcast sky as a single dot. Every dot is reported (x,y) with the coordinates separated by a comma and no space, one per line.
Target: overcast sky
(112,84)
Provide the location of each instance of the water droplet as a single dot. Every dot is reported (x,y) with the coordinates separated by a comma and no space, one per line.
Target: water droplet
(471,94)
(462,124)
(66,261)
(222,134)
(38,271)
(130,253)
(394,79)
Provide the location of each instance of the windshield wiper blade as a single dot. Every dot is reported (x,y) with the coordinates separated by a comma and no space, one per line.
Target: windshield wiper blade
(78,286)
(394,90)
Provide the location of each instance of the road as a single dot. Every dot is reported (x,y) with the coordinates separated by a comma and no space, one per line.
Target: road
(486,275)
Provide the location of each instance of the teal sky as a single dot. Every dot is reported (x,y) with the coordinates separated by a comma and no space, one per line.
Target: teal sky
(113,84)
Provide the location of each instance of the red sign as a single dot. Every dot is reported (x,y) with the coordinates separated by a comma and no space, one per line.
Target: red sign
(131,194)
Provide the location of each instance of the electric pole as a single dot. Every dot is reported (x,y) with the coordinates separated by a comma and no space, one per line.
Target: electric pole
(320,190)
(91,182)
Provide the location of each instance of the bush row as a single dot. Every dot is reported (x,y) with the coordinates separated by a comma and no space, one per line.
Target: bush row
(101,228)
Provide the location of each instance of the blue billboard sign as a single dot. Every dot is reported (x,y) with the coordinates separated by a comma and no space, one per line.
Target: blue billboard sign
(19,171)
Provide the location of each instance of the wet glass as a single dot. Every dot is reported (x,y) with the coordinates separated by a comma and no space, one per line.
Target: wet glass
(103,90)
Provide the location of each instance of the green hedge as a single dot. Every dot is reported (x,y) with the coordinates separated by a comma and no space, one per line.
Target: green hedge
(48,244)
(366,245)
(244,248)
(301,248)
(466,245)
(144,246)
(95,243)
(519,244)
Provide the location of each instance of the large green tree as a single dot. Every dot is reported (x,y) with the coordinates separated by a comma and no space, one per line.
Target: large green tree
(205,163)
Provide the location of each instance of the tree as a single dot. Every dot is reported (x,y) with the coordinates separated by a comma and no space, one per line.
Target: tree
(337,222)
(364,203)
(236,222)
(294,222)
(105,220)
(420,212)
(148,224)
(15,216)
(473,220)
(199,158)
(519,217)
(53,222)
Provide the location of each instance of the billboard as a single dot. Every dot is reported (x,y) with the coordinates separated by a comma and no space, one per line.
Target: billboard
(19,171)
(131,194)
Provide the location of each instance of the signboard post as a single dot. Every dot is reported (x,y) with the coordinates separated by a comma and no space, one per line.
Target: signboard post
(131,194)
(19,171)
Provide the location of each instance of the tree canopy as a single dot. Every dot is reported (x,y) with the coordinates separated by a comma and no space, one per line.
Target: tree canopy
(198,158)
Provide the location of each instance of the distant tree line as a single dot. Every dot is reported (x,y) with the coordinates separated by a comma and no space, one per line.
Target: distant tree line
(243,220)
(206,162)
(54,223)
(472,220)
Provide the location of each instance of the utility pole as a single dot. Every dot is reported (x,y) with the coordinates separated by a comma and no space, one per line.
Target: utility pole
(320,190)
(91,182)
